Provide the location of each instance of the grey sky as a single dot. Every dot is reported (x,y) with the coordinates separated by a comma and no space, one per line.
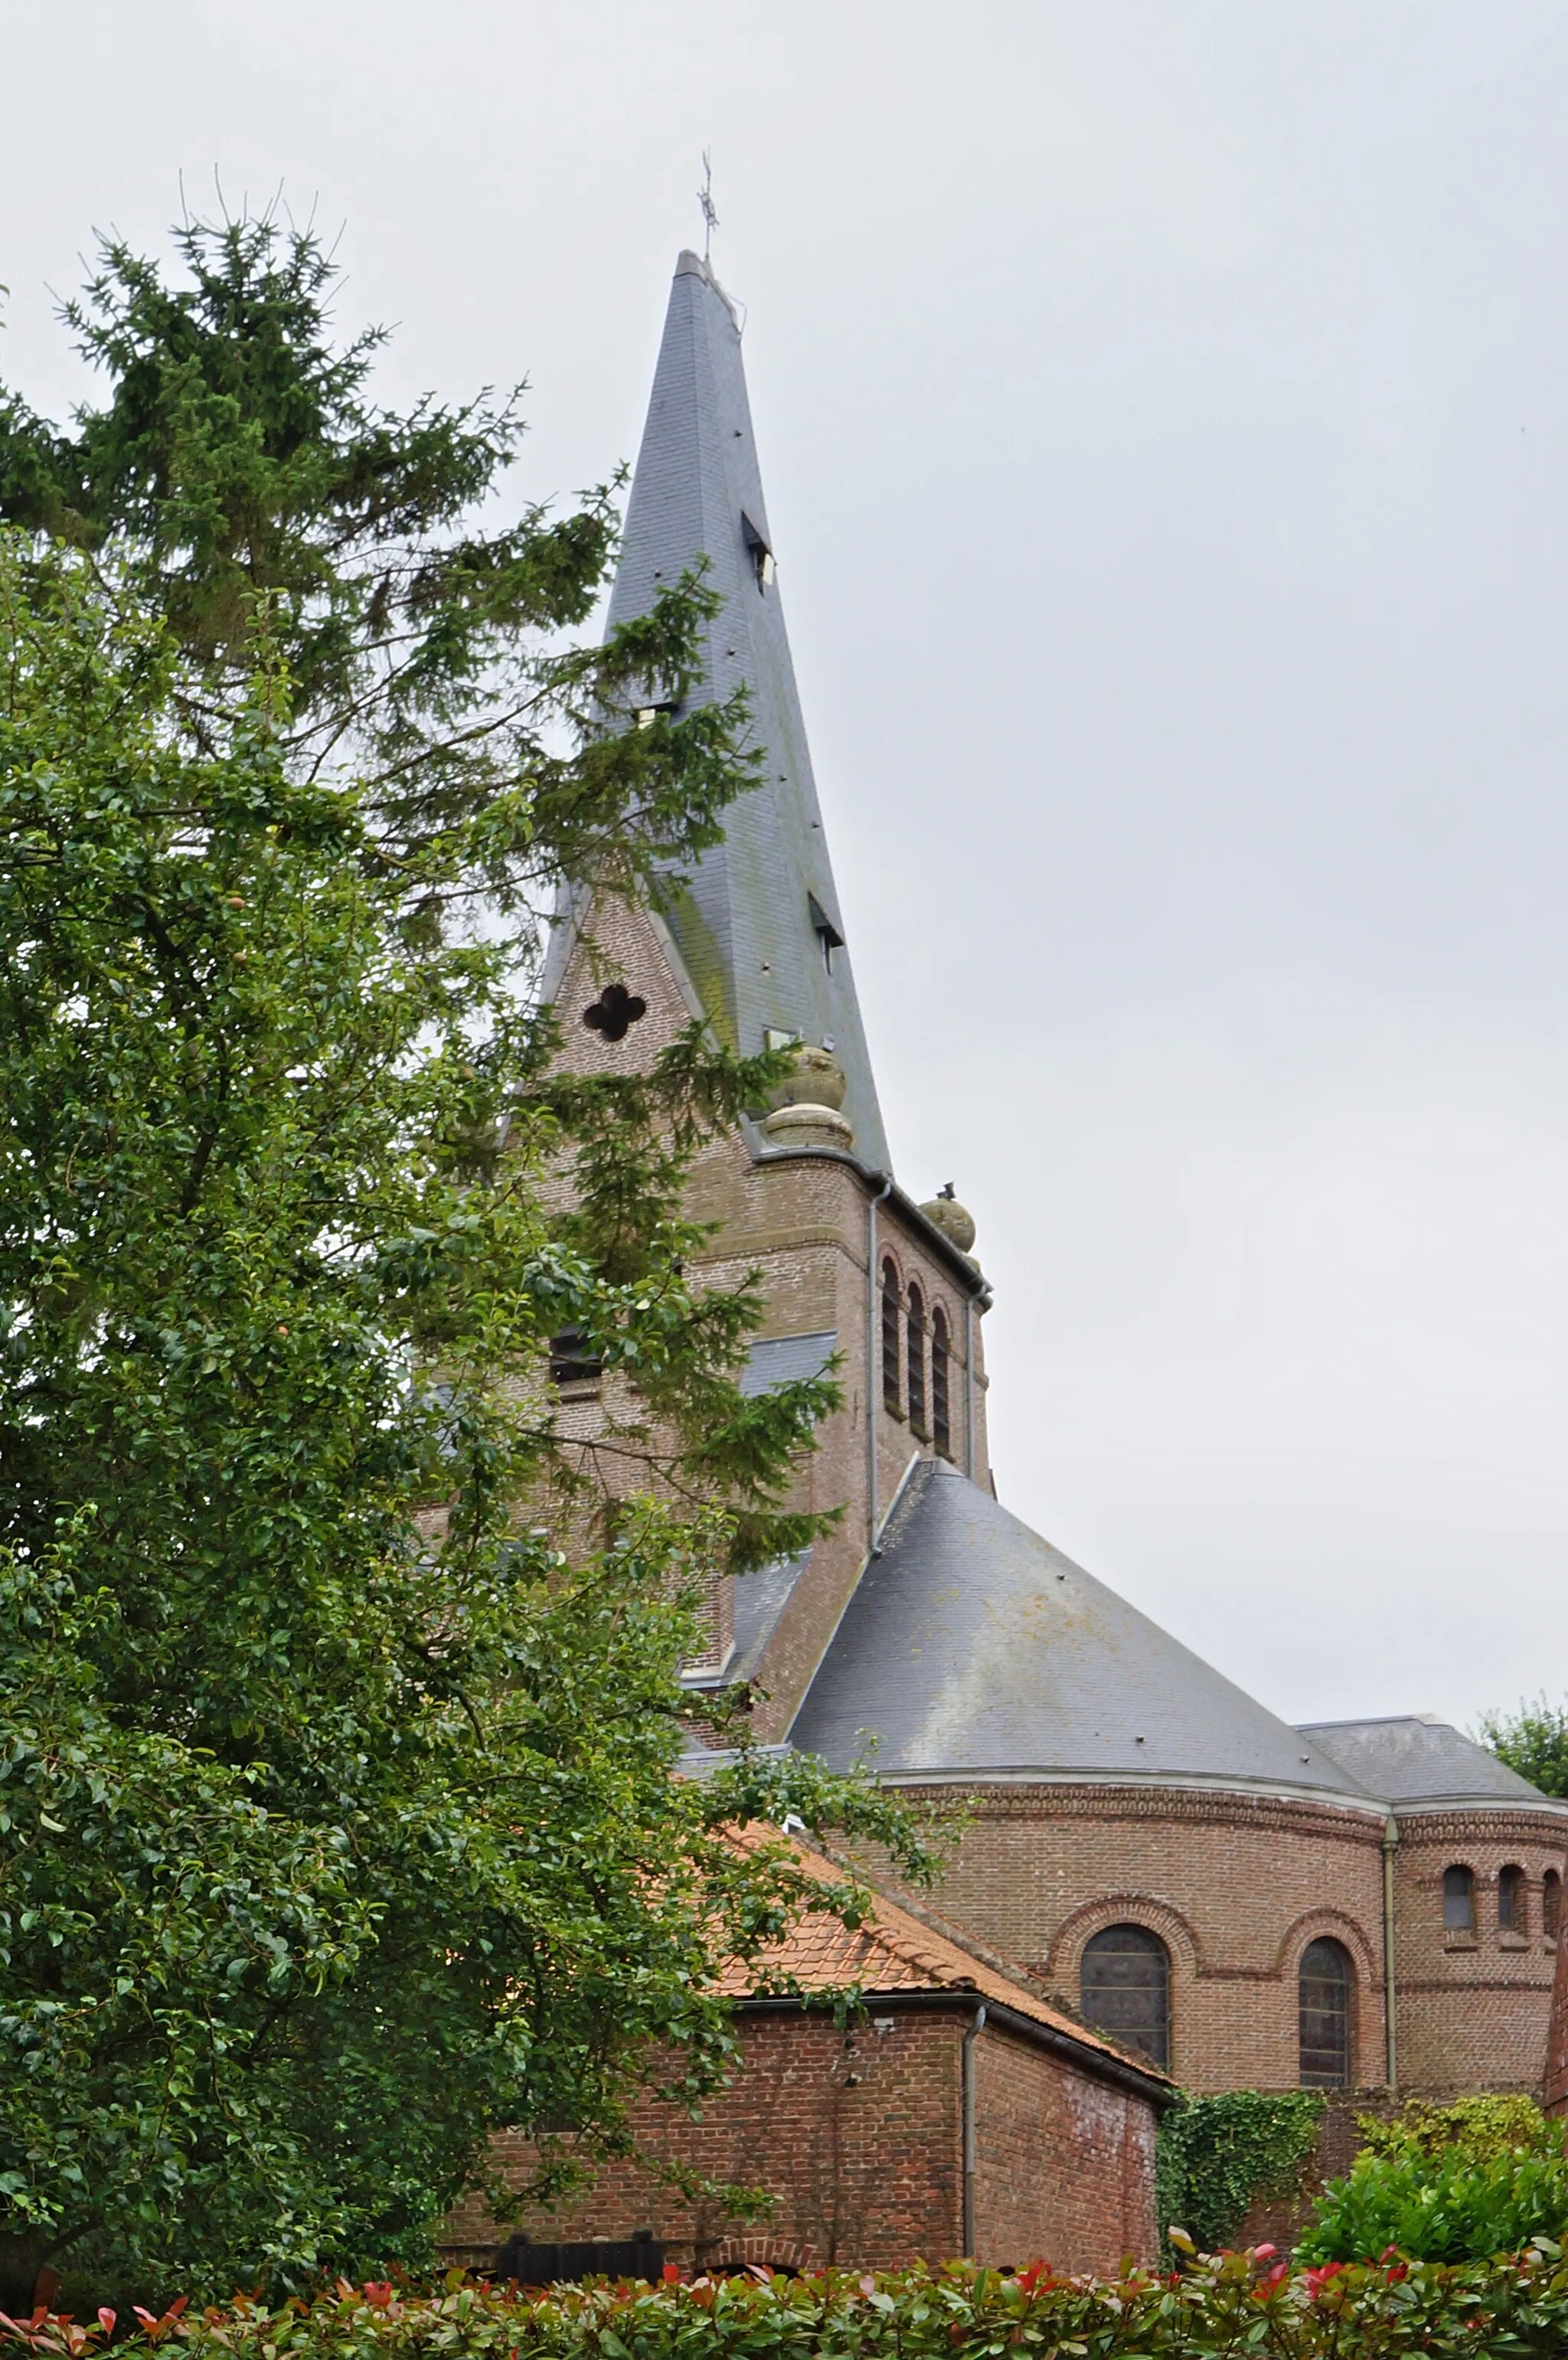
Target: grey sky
(1162,407)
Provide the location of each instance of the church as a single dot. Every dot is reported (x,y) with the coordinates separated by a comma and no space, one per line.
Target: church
(1181,1883)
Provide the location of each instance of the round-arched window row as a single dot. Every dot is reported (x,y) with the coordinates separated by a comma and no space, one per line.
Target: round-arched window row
(1124,1981)
(904,1361)
(1325,2014)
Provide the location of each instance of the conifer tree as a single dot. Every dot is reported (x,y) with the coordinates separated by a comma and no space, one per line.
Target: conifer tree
(337,1711)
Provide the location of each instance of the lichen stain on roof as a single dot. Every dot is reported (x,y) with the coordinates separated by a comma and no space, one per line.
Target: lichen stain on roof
(972,1645)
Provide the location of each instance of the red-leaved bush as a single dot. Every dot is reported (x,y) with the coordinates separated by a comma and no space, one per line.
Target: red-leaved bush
(1246,2304)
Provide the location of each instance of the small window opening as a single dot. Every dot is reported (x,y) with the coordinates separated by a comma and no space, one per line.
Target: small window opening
(1550,1904)
(916,1331)
(646,714)
(941,1421)
(615,1013)
(1458,1901)
(892,1396)
(827,933)
(1510,1901)
(761,555)
(572,1360)
(1325,1987)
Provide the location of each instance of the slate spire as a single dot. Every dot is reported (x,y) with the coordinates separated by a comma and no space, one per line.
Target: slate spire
(758,924)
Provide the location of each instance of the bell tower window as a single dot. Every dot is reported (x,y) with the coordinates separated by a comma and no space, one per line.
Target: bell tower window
(917,1362)
(892,1392)
(941,1416)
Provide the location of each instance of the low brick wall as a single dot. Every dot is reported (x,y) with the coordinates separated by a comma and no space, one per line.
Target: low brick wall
(857,2137)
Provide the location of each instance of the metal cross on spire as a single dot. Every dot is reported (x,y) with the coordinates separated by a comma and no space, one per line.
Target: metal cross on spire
(710,211)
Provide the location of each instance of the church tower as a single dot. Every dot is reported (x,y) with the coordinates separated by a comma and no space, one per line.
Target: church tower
(752,942)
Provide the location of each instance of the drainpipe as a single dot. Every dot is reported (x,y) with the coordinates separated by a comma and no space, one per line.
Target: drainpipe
(1391,2035)
(968,2103)
(969,1386)
(873,1387)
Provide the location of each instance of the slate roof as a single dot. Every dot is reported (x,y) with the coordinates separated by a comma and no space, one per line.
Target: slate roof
(972,1647)
(896,1952)
(745,925)
(1414,1758)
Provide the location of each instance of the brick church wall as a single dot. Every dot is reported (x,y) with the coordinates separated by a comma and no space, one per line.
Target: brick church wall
(1473,2009)
(1235,1885)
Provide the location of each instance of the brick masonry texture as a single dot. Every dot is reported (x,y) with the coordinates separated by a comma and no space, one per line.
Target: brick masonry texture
(1235,1885)
(857,2135)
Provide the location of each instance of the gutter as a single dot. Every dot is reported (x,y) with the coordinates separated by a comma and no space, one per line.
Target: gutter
(967,2084)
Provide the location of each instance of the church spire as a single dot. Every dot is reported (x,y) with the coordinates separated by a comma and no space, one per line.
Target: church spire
(757,925)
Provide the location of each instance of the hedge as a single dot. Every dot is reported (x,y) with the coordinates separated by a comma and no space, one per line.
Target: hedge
(1244,2303)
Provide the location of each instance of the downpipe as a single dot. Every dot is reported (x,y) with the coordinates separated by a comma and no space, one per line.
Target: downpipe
(967,2080)
(1390,2005)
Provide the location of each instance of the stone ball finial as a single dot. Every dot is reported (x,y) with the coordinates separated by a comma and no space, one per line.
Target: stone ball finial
(945,1213)
(816,1079)
(805,1107)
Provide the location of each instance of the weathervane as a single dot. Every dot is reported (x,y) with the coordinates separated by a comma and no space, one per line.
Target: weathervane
(705,198)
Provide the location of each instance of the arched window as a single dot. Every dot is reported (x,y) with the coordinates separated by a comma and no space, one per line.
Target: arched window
(1458,1901)
(891,1395)
(1124,1988)
(1550,1904)
(1324,1990)
(941,1419)
(1512,1909)
(917,1362)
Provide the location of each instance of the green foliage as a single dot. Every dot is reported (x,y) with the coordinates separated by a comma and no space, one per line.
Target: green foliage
(338,1696)
(1473,2130)
(1233,2304)
(1534,1740)
(1217,2155)
(1449,2183)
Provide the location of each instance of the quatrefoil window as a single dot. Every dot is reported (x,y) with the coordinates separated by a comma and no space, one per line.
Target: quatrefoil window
(615,1011)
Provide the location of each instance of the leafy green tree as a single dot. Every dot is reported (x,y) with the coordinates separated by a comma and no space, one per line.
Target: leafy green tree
(338,1709)
(1534,1740)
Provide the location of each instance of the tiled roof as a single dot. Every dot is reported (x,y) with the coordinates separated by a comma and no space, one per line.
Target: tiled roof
(1417,1757)
(896,1952)
(971,1646)
(747,928)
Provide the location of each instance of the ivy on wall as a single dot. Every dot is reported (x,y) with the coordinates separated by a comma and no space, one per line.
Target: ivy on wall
(1217,2156)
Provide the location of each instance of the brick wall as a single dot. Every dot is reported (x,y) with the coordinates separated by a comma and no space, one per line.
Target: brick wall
(857,2135)
(1064,2166)
(1473,2008)
(1235,1886)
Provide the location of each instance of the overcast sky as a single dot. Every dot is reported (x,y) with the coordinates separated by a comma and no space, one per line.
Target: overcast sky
(1162,410)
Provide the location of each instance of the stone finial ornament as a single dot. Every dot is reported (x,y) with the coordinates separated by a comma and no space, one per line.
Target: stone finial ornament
(817,1079)
(945,1213)
(805,1111)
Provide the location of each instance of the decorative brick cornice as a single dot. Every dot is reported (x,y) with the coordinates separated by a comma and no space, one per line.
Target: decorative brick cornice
(1481,1823)
(1044,1799)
